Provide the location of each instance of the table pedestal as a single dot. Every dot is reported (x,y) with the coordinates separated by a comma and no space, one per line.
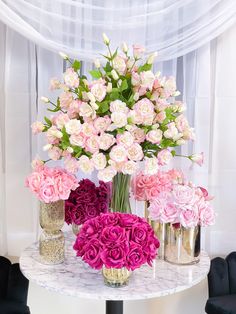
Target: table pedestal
(114,307)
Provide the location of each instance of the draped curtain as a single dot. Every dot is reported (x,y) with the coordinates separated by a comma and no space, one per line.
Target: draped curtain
(183,32)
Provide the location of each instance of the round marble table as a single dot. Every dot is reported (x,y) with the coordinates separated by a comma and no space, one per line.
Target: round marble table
(75,278)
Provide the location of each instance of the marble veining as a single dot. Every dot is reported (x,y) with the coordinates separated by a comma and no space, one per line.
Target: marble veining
(75,278)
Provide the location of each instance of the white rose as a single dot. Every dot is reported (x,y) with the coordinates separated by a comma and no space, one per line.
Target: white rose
(119,119)
(99,160)
(118,106)
(86,110)
(147,79)
(139,135)
(73,126)
(53,132)
(154,136)
(105,141)
(172,131)
(129,167)
(77,140)
(87,129)
(107,174)
(135,152)
(151,166)
(85,164)
(71,78)
(61,120)
(99,91)
(118,153)
(119,64)
(102,123)
(125,139)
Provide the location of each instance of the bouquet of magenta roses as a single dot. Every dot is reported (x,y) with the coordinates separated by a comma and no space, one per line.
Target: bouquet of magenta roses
(116,240)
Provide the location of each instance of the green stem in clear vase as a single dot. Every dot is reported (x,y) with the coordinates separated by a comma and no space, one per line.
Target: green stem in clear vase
(120,193)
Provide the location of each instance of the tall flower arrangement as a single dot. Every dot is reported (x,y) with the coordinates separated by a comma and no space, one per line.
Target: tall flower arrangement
(125,115)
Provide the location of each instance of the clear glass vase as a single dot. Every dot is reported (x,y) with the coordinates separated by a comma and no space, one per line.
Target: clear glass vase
(52,241)
(120,199)
(182,245)
(116,277)
(159,230)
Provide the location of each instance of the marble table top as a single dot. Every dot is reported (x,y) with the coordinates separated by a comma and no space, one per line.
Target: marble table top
(75,278)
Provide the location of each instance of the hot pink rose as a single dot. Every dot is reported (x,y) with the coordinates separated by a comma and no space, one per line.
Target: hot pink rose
(91,255)
(139,233)
(115,256)
(113,235)
(135,257)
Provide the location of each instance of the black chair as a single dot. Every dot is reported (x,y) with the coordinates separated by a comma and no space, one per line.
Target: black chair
(222,286)
(13,289)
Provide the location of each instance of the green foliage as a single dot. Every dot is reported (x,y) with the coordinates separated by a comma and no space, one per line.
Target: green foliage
(95,74)
(145,67)
(76,65)
(48,122)
(124,85)
(65,142)
(103,107)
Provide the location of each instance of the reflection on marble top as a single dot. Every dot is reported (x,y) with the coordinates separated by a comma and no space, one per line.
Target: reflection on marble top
(75,278)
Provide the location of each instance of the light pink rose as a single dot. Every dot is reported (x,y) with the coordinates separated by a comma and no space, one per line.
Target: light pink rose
(170,86)
(183,194)
(164,157)
(154,136)
(170,213)
(172,131)
(102,123)
(106,141)
(54,83)
(181,123)
(151,166)
(71,78)
(118,106)
(54,153)
(139,135)
(206,214)
(135,152)
(71,164)
(145,109)
(98,89)
(78,140)
(73,110)
(119,64)
(34,181)
(188,216)
(126,139)
(197,158)
(138,50)
(107,174)
(156,207)
(60,120)
(135,79)
(147,79)
(48,192)
(66,99)
(37,164)
(160,117)
(92,145)
(118,153)
(37,127)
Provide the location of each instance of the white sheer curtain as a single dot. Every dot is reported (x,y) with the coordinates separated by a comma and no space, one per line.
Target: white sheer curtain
(25,70)
(172,27)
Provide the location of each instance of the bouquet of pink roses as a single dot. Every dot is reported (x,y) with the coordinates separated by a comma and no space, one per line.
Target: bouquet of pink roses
(116,240)
(51,184)
(185,204)
(87,201)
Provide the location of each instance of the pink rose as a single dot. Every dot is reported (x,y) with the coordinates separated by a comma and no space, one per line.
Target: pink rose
(139,233)
(206,214)
(197,158)
(109,219)
(66,99)
(91,230)
(183,194)
(188,217)
(205,194)
(34,181)
(156,208)
(128,220)
(170,213)
(135,258)
(164,157)
(48,192)
(37,127)
(71,78)
(138,50)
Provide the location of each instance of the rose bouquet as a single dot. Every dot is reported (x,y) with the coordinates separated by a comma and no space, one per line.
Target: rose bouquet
(125,115)
(51,184)
(184,204)
(87,201)
(116,240)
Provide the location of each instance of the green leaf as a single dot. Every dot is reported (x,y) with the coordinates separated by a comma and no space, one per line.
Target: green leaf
(76,65)
(145,67)
(121,130)
(54,110)
(95,73)
(49,122)
(65,142)
(108,67)
(124,85)
(103,107)
(114,95)
(173,152)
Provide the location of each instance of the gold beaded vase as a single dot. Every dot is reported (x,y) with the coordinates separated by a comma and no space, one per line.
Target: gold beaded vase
(116,277)
(52,241)
(182,245)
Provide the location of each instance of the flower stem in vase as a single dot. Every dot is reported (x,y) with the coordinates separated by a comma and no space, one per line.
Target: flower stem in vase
(120,193)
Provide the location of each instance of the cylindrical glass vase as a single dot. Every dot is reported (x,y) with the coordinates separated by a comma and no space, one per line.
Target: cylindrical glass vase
(120,199)
(76,228)
(159,230)
(182,245)
(116,277)
(52,241)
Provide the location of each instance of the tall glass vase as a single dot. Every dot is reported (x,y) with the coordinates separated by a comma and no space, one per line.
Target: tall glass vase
(52,241)
(120,200)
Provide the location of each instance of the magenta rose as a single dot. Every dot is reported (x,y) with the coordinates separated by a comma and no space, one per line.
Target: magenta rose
(135,257)
(113,235)
(92,254)
(103,206)
(110,219)
(150,250)
(115,256)
(78,216)
(139,233)
(79,247)
(69,208)
(91,211)
(91,229)
(128,220)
